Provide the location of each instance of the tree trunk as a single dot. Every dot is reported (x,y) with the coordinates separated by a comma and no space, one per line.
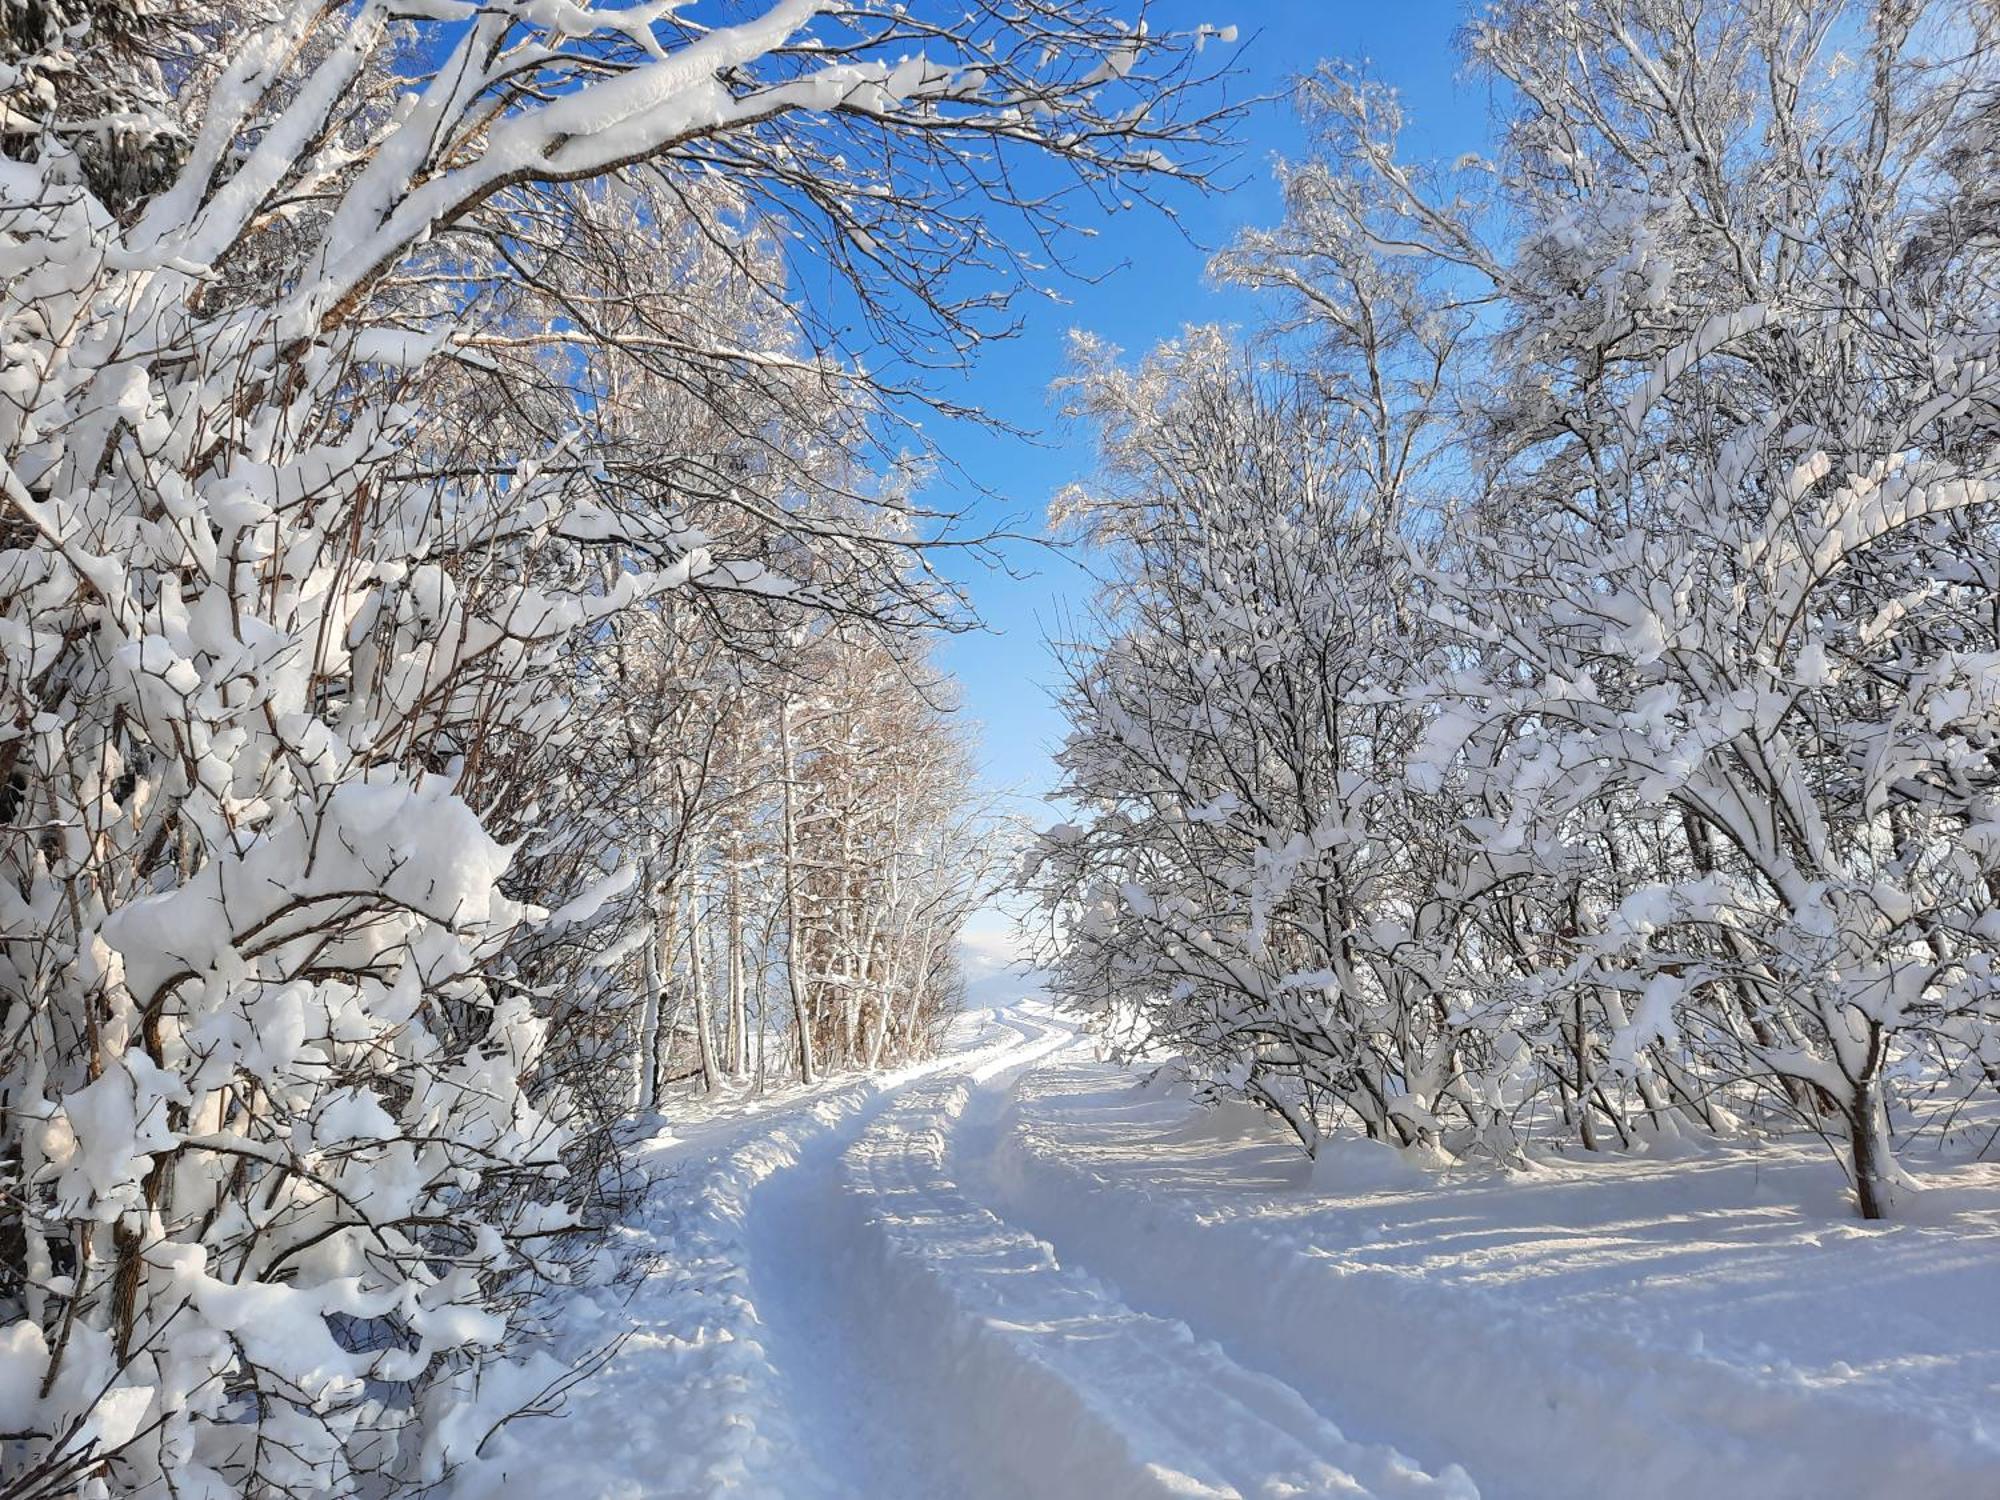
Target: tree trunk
(801,1020)
(660,978)
(919,988)
(739,1040)
(644,1073)
(763,1012)
(704,1029)
(1581,1041)
(884,1004)
(1867,1133)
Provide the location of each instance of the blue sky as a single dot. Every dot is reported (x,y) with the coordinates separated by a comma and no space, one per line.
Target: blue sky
(1153,284)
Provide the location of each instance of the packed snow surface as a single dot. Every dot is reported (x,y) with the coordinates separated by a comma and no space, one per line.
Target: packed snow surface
(1020,1271)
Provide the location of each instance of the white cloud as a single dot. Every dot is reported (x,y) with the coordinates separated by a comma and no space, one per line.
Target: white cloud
(988,945)
(994,957)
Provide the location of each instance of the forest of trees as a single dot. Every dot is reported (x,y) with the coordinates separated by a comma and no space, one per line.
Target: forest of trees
(464,676)
(1549,689)
(471,587)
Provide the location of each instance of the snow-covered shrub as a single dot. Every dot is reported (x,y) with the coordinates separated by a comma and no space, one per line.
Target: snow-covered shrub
(1236,725)
(268,1121)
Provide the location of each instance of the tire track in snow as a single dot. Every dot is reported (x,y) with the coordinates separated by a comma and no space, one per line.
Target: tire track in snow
(1045,1379)
(699,1398)
(833,1386)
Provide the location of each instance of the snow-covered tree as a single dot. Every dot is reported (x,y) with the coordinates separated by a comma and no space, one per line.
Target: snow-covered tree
(1232,732)
(888,858)
(1659,584)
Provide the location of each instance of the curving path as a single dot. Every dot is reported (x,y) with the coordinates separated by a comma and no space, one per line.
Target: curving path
(1012,1272)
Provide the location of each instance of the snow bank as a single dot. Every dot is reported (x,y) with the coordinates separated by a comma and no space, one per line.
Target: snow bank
(1772,1351)
(1348,1164)
(1227,1120)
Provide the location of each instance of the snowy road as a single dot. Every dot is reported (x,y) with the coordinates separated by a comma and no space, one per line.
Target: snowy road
(1013,1272)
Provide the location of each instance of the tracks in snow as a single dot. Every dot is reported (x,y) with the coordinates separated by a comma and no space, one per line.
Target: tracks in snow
(925,1347)
(1074,1393)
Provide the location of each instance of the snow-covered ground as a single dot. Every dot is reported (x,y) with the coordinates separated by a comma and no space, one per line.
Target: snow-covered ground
(1018,1271)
